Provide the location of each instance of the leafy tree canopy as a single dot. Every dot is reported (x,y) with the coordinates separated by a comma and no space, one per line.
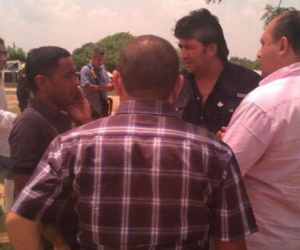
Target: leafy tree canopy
(111,45)
(254,65)
(16,54)
(271,12)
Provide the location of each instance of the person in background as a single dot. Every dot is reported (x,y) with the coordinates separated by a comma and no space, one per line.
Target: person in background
(142,178)
(264,136)
(57,104)
(6,120)
(95,83)
(6,117)
(213,87)
(23,90)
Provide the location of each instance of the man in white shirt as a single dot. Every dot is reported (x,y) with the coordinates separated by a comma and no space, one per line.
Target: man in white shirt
(265,137)
(6,118)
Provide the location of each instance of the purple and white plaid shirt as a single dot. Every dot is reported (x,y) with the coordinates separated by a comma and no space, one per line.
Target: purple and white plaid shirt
(141,179)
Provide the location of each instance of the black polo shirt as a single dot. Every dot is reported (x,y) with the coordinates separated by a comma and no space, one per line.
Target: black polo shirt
(29,139)
(233,84)
(32,133)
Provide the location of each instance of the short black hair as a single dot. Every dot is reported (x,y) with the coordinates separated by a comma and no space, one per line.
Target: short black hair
(98,51)
(205,27)
(288,25)
(42,61)
(1,41)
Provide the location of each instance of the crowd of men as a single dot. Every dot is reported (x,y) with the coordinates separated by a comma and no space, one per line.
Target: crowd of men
(204,158)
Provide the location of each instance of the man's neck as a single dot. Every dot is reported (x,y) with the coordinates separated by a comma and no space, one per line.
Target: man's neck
(46,102)
(206,79)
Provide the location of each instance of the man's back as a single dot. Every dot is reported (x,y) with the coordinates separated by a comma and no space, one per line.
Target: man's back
(141,178)
(144,177)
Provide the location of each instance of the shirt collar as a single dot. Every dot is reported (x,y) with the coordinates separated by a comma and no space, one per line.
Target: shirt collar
(44,109)
(162,108)
(191,77)
(96,69)
(281,73)
(92,66)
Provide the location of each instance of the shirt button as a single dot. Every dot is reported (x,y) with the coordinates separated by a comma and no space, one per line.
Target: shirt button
(198,98)
(201,117)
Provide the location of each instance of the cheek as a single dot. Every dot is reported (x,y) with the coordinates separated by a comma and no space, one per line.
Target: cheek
(265,55)
(68,88)
(195,55)
(183,53)
(268,62)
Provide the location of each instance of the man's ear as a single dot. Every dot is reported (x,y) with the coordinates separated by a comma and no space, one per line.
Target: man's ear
(118,83)
(283,45)
(212,49)
(177,88)
(42,82)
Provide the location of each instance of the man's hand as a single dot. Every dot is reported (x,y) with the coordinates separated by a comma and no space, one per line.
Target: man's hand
(221,132)
(80,111)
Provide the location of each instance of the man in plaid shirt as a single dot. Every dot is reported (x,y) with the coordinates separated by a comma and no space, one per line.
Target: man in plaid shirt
(142,178)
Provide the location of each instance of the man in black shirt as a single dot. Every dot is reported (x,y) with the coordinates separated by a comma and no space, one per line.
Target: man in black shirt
(57,105)
(213,87)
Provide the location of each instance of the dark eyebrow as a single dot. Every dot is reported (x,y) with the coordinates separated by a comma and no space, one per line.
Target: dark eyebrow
(69,72)
(187,46)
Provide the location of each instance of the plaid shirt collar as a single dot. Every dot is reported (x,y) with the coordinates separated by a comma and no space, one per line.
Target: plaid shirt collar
(147,107)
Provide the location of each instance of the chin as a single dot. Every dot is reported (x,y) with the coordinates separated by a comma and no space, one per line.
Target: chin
(264,74)
(189,70)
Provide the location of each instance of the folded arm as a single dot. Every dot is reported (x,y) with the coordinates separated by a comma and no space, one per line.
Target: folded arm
(93,88)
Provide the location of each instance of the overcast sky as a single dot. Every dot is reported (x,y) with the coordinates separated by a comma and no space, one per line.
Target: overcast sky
(72,23)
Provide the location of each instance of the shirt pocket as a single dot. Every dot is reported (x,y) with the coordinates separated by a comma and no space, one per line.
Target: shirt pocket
(180,106)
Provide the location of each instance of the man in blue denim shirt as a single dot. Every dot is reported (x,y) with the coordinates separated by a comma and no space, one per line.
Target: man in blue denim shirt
(213,87)
(95,82)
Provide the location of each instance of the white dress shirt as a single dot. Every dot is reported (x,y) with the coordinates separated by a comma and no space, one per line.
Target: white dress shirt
(264,134)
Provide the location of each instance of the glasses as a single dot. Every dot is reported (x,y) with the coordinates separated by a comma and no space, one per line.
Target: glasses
(3,53)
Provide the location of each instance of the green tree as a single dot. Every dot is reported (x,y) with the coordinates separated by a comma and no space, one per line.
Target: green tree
(82,55)
(254,65)
(111,45)
(271,12)
(16,54)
